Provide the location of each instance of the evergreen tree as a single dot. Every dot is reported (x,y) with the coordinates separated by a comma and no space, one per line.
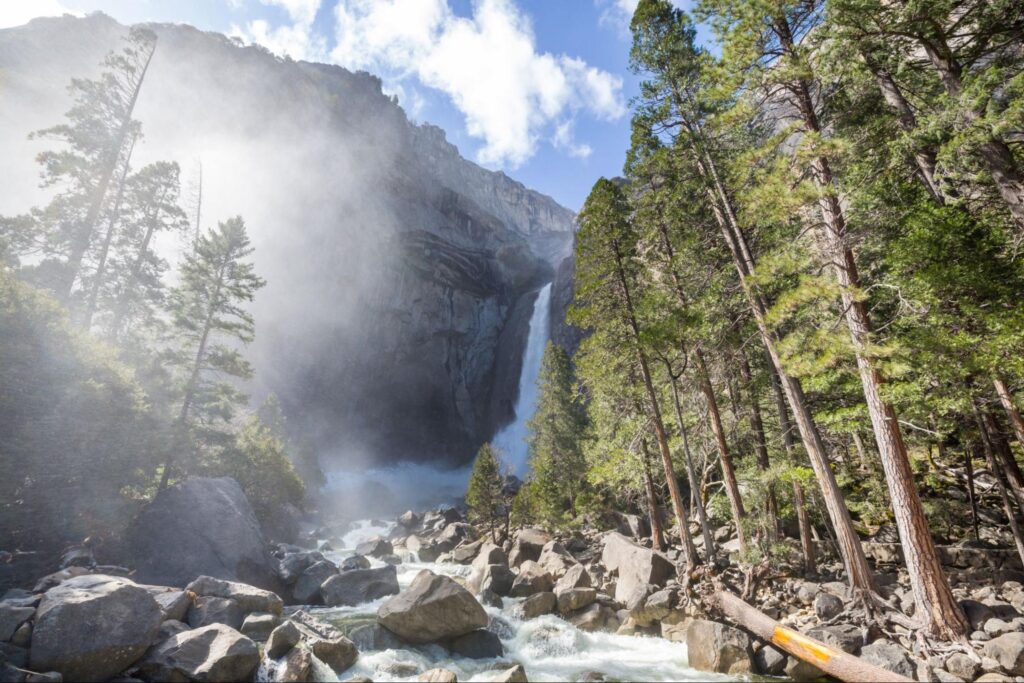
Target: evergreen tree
(208,310)
(485,494)
(556,434)
(97,139)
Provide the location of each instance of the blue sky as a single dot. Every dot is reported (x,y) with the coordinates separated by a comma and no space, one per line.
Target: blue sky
(536,88)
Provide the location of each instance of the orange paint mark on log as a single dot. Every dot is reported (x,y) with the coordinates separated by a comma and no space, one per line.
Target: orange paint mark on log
(788,638)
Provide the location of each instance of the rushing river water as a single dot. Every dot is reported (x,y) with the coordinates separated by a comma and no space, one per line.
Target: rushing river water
(549,648)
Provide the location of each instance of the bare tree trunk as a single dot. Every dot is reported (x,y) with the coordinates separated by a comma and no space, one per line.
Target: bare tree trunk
(942,616)
(972,496)
(803,519)
(760,449)
(1004,456)
(834,662)
(702,514)
(108,238)
(732,488)
(1016,421)
(689,550)
(986,443)
(657,536)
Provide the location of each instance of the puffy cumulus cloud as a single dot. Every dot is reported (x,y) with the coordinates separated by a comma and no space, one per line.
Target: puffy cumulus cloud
(511,95)
(297,39)
(18,12)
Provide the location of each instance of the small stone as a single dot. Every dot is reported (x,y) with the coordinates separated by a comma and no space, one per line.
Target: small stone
(438,676)
(963,666)
(827,606)
(770,661)
(536,605)
(1008,651)
(297,666)
(889,656)
(259,625)
(516,674)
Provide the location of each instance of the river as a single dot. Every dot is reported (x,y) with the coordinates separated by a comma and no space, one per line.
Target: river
(549,648)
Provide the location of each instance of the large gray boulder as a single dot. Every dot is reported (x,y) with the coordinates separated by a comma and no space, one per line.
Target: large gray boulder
(201,527)
(433,608)
(93,627)
(712,646)
(249,598)
(360,585)
(212,654)
(889,656)
(11,617)
(326,641)
(307,588)
(637,566)
(1008,650)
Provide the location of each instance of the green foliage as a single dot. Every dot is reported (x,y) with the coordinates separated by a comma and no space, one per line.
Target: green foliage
(485,492)
(79,433)
(556,434)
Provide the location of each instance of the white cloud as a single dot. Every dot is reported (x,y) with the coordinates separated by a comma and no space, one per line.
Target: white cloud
(18,12)
(617,13)
(563,139)
(296,40)
(511,95)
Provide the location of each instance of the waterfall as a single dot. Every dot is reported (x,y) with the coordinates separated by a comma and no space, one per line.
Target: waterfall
(511,441)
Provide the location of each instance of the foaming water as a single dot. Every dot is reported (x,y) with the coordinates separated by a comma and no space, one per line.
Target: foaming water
(548,647)
(511,441)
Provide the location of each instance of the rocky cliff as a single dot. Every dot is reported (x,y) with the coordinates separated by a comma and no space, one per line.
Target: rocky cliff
(400,274)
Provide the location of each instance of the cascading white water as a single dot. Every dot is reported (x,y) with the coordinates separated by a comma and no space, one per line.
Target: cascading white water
(511,441)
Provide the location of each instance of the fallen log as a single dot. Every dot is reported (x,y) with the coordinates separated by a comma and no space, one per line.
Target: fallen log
(833,662)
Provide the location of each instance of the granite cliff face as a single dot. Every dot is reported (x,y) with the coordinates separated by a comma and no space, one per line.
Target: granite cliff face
(401,276)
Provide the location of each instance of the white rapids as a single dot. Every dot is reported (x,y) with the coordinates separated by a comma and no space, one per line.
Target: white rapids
(549,648)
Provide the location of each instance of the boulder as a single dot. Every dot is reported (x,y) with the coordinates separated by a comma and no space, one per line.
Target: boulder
(496,578)
(259,625)
(373,636)
(426,551)
(845,637)
(654,607)
(212,654)
(637,566)
(963,666)
(575,599)
(827,606)
(489,553)
(889,656)
(1008,650)
(536,605)
(491,599)
(718,648)
(517,674)
(409,520)
(11,617)
(532,578)
(92,627)
(555,559)
(208,610)
(297,666)
(249,598)
(479,644)
(360,585)
(282,639)
(977,613)
(769,661)
(307,588)
(375,547)
(174,602)
(432,608)
(326,642)
(438,676)
(576,576)
(528,545)
(354,562)
(201,527)
(291,566)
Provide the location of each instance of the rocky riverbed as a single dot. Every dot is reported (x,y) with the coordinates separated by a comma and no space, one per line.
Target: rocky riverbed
(426,597)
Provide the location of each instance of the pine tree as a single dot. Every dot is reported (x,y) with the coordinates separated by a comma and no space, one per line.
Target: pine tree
(208,311)
(555,441)
(97,140)
(485,492)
